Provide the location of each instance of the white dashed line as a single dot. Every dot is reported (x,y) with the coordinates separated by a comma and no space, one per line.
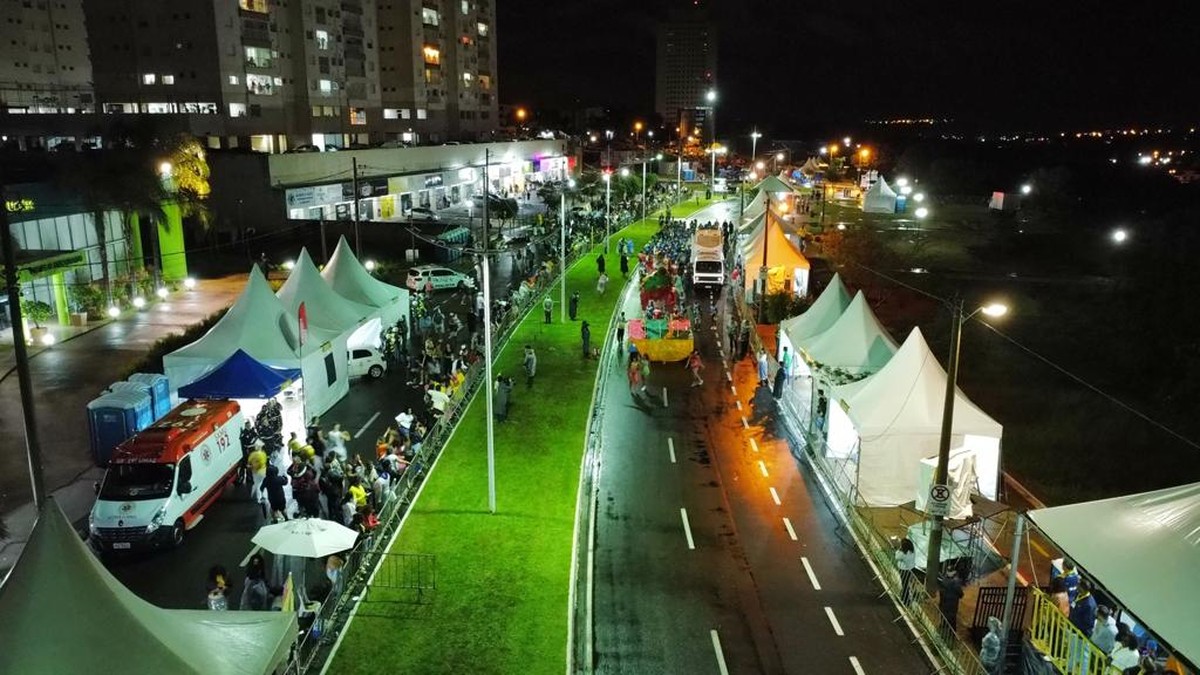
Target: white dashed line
(812,576)
(762,466)
(716,640)
(739,405)
(745,424)
(837,627)
(664,397)
(671,448)
(728,376)
(858,669)
(787,522)
(754,445)
(775,496)
(687,530)
(369,422)
(733,390)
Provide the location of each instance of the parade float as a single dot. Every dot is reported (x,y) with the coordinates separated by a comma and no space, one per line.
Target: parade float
(658,322)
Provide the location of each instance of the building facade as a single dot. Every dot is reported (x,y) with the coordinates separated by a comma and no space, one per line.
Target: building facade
(271,75)
(44,64)
(685,69)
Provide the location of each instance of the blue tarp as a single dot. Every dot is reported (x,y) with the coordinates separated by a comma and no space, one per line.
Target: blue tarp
(240,376)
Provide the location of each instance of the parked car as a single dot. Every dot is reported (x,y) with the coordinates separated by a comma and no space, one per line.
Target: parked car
(440,278)
(304,148)
(366,361)
(422,213)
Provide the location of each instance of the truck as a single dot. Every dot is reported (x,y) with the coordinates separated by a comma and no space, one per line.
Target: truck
(160,482)
(708,257)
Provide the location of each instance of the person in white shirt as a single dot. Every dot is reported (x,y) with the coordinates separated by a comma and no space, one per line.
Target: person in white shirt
(1126,654)
(337,441)
(1104,632)
(438,400)
(404,422)
(906,560)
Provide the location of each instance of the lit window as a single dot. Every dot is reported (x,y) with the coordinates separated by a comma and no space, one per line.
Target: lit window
(420,113)
(237,109)
(325,86)
(466,7)
(467,80)
(259,6)
(430,16)
(485,82)
(233,79)
(482,28)
(322,39)
(433,56)
(405,114)
(391,113)
(316,109)
(358,116)
(260,85)
(168,79)
(331,111)
(148,78)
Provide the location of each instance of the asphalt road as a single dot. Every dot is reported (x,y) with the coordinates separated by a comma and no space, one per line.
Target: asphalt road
(715,550)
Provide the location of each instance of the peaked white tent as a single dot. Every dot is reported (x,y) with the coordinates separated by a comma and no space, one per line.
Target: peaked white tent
(810,167)
(754,210)
(819,316)
(1145,550)
(892,420)
(324,308)
(879,198)
(61,611)
(856,342)
(774,185)
(349,279)
(256,323)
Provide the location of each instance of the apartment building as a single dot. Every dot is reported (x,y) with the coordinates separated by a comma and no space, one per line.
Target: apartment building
(44,65)
(269,75)
(685,69)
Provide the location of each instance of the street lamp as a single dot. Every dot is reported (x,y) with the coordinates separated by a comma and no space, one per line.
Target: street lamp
(637,133)
(607,202)
(562,252)
(777,159)
(712,173)
(1120,236)
(933,558)
(1026,189)
(754,136)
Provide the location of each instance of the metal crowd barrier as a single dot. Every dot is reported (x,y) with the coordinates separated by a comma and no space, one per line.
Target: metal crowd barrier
(1067,647)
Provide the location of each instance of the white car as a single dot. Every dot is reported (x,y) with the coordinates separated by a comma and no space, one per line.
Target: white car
(437,277)
(422,213)
(366,361)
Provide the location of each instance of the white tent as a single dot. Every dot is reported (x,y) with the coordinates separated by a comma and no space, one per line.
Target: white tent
(960,476)
(856,342)
(811,167)
(324,308)
(256,323)
(755,208)
(879,198)
(347,276)
(787,268)
(818,318)
(892,420)
(1145,550)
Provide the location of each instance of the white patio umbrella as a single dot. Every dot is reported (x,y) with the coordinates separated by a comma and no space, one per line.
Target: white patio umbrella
(305,538)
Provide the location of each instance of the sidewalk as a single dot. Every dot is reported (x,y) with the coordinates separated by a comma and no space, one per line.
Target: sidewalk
(65,378)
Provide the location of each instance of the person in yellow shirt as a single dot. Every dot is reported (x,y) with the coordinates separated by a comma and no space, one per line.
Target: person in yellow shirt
(257,463)
(359,493)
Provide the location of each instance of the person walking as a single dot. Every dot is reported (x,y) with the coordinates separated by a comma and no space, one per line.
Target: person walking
(602,283)
(785,363)
(634,374)
(248,437)
(585,334)
(644,366)
(763,366)
(950,592)
(621,323)
(989,650)
(624,264)
(906,561)
(530,365)
(780,378)
(573,305)
(695,365)
(276,499)
(600,264)
(548,308)
(337,441)
(256,463)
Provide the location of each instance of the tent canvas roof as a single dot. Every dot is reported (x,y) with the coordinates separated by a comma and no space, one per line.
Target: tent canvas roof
(880,188)
(906,397)
(1143,548)
(810,167)
(240,376)
(856,341)
(781,252)
(62,612)
(325,308)
(820,315)
(752,229)
(257,323)
(773,184)
(349,279)
(756,206)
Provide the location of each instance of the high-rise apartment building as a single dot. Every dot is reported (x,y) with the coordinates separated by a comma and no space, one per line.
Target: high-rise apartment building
(686,68)
(44,65)
(279,74)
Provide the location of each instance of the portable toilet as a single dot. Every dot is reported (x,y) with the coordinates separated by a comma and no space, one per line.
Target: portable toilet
(160,391)
(144,405)
(113,418)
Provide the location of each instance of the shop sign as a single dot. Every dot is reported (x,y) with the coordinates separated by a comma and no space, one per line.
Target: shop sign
(23,205)
(434,180)
(320,195)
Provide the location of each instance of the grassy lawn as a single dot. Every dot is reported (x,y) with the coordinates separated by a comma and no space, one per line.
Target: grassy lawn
(501,601)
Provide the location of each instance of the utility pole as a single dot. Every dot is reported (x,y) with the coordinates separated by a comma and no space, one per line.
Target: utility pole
(354,187)
(1010,590)
(762,271)
(933,561)
(562,252)
(33,449)
(487,347)
(643,197)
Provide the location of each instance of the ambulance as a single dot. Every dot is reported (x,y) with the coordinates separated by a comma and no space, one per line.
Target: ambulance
(160,482)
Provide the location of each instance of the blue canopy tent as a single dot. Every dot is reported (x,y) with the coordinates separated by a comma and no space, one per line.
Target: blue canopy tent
(241,376)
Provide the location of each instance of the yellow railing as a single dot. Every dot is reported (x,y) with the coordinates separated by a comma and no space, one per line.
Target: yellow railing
(1068,649)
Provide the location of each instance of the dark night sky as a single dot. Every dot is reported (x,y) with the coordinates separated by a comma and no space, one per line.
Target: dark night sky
(791,65)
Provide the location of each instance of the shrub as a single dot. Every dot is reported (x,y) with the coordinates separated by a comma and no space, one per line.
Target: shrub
(152,362)
(36,311)
(88,298)
(781,305)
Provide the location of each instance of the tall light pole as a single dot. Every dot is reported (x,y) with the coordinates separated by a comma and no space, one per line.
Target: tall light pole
(607,205)
(562,253)
(712,174)
(754,136)
(933,558)
(487,345)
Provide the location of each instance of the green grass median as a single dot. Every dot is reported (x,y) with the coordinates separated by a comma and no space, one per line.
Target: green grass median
(502,580)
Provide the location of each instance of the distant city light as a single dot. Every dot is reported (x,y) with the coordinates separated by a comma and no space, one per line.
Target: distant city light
(287,265)
(760,166)
(824,150)
(1120,235)
(846,141)
(901,181)
(906,190)
(919,197)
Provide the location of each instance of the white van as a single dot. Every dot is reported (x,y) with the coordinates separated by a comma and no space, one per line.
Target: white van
(366,361)
(160,482)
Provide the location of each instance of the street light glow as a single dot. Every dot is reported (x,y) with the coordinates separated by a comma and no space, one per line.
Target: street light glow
(995,309)
(161,293)
(289,264)
(1026,189)
(919,197)
(114,311)
(846,141)
(189,283)
(823,150)
(711,96)
(165,169)
(139,302)
(901,181)
(571,182)
(906,190)
(779,157)
(48,339)
(637,126)
(760,165)
(1120,236)
(624,171)
(370,265)
(922,212)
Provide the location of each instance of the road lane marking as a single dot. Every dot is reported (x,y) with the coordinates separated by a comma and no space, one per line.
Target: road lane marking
(787,522)
(671,448)
(762,466)
(837,627)
(369,423)
(858,669)
(733,390)
(812,576)
(775,496)
(728,376)
(664,396)
(687,529)
(745,424)
(739,404)
(246,560)
(716,640)
(754,445)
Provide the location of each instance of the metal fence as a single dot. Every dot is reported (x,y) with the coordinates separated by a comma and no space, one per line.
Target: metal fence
(1064,645)
(369,559)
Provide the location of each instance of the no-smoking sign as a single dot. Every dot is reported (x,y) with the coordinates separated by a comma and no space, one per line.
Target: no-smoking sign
(939,500)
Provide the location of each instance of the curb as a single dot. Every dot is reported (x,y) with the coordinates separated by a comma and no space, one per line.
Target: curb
(35,354)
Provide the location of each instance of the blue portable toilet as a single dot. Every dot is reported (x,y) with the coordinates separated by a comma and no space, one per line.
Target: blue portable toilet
(142,401)
(113,418)
(160,391)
